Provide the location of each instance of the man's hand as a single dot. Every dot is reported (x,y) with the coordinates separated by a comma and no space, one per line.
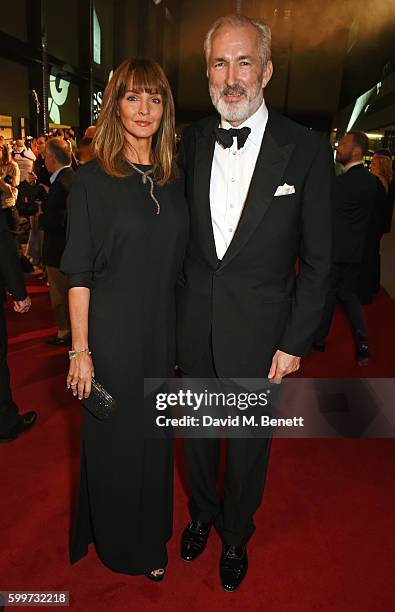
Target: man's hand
(31,177)
(22,306)
(282,364)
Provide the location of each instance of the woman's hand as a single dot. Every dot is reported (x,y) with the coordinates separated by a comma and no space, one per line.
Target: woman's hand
(80,375)
(5,187)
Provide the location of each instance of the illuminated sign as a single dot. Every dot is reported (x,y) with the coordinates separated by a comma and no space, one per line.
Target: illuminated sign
(59,89)
(97,100)
(362,104)
(96,106)
(96,38)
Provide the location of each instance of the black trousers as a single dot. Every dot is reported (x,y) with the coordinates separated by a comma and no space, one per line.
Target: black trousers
(343,287)
(12,218)
(244,479)
(369,278)
(8,408)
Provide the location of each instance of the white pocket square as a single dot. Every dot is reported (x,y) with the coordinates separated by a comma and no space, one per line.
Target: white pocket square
(284,190)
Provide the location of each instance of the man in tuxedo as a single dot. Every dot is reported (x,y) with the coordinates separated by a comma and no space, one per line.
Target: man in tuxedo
(358,201)
(12,424)
(258,187)
(53,222)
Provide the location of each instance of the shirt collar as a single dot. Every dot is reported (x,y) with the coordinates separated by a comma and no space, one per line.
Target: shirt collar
(54,175)
(257,123)
(352,164)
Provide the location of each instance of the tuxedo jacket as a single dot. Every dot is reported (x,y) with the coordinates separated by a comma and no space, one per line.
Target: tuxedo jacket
(53,220)
(268,291)
(359,202)
(11,276)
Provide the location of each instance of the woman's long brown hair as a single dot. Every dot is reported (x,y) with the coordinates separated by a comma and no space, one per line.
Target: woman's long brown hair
(5,155)
(385,170)
(109,141)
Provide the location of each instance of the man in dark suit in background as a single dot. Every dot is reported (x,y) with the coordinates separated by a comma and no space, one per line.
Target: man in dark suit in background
(258,187)
(356,194)
(53,222)
(12,424)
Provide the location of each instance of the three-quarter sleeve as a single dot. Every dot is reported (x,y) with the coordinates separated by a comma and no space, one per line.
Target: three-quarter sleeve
(16,174)
(78,257)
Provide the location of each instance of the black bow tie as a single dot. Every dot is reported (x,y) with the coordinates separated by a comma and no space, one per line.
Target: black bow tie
(225,137)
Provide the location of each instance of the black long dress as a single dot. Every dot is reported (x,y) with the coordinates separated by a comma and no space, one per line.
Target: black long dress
(130,258)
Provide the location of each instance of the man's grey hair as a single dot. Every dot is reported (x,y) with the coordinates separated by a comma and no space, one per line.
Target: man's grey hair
(237,21)
(60,150)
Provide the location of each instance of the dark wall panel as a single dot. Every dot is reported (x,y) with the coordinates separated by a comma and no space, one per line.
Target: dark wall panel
(14,98)
(13,19)
(126,29)
(62,19)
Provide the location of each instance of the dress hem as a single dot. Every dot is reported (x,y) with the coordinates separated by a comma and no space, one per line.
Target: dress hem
(129,572)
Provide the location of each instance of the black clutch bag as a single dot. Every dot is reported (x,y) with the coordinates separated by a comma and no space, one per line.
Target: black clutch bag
(99,403)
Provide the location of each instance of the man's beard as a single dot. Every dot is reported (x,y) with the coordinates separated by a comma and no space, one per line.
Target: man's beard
(236,111)
(343,159)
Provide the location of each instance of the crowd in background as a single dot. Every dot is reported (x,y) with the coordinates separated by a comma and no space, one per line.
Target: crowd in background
(22,168)
(25,181)
(35,179)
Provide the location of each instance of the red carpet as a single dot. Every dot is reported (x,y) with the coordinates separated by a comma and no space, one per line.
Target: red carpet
(325,534)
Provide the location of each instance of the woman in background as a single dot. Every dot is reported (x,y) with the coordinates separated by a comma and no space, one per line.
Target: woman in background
(381,167)
(39,176)
(127,232)
(380,223)
(9,181)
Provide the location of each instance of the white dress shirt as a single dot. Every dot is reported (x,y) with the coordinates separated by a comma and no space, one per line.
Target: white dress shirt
(231,175)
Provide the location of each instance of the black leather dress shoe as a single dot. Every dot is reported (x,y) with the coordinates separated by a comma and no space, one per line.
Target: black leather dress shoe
(233,566)
(194,540)
(59,341)
(25,422)
(362,352)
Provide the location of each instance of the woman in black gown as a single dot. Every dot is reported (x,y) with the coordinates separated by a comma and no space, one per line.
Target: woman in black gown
(127,232)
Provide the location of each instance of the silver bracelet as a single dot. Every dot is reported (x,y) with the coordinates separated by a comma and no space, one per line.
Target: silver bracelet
(73,354)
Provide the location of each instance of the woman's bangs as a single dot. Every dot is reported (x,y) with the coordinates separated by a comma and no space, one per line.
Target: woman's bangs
(146,79)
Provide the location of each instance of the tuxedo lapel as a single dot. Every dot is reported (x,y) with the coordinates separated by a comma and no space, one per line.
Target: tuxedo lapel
(270,165)
(205,144)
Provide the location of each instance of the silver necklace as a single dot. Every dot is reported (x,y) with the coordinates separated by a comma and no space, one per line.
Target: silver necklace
(145,176)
